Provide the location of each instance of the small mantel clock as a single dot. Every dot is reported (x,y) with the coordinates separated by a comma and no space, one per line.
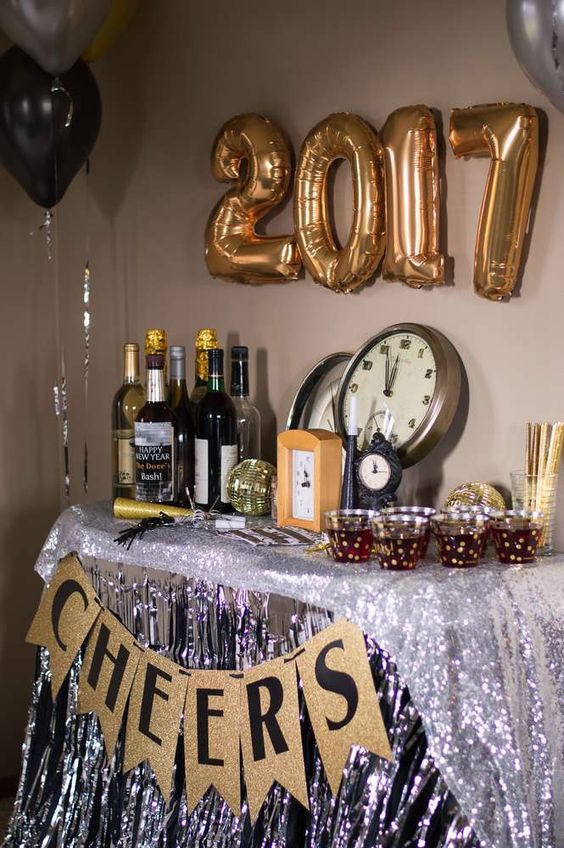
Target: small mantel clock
(309,477)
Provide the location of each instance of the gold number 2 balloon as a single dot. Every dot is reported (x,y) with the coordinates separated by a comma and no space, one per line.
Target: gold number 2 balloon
(340,136)
(509,133)
(233,249)
(409,138)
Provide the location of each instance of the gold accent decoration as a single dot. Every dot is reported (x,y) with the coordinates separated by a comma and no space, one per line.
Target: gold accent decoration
(206,339)
(263,767)
(155,342)
(340,650)
(71,602)
(475,494)
(136,510)
(222,707)
(249,486)
(96,698)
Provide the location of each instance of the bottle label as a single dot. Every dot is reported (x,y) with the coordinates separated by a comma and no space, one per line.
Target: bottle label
(125,457)
(201,494)
(154,457)
(229,459)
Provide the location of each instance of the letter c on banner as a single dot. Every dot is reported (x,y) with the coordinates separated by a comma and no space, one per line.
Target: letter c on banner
(63,593)
(340,136)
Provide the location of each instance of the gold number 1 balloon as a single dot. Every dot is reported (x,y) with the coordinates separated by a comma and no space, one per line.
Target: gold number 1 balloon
(409,138)
(340,136)
(233,249)
(509,133)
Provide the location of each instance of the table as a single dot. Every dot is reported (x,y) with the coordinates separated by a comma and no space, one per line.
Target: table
(468,665)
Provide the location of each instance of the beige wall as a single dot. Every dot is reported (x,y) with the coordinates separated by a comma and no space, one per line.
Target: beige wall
(178,73)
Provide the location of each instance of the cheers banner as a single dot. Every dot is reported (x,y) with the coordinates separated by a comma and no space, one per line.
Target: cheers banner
(223,713)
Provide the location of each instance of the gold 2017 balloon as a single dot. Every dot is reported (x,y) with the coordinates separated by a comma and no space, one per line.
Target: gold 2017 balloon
(409,139)
(509,133)
(340,136)
(234,251)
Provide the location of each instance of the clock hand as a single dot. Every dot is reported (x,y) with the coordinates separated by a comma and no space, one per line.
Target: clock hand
(388,391)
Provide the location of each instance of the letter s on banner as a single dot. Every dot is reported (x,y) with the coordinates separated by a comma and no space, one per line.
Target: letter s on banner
(343,709)
(68,609)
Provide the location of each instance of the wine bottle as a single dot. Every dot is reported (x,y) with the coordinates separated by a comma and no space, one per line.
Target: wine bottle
(155,342)
(206,339)
(154,440)
(127,402)
(248,416)
(216,439)
(180,405)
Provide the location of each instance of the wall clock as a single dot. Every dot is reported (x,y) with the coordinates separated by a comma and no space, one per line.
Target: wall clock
(309,477)
(315,402)
(407,383)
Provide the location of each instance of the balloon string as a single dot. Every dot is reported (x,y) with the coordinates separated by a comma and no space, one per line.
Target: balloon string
(58,87)
(86,323)
(555,43)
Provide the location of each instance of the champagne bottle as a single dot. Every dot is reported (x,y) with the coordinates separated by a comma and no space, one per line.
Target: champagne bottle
(248,416)
(154,440)
(155,342)
(206,339)
(180,405)
(216,439)
(128,400)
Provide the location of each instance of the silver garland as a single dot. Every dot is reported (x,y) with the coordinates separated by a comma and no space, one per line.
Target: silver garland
(70,795)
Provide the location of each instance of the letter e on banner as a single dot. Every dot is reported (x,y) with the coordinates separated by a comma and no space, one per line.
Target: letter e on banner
(341,699)
(68,609)
(107,673)
(211,736)
(271,735)
(153,722)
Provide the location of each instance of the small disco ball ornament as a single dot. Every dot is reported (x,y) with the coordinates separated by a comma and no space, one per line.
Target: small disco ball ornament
(475,494)
(249,486)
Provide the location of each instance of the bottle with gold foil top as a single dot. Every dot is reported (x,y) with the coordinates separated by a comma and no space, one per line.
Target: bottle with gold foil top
(155,342)
(127,402)
(155,442)
(206,339)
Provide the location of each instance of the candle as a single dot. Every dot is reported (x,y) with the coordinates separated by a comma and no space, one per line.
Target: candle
(352,429)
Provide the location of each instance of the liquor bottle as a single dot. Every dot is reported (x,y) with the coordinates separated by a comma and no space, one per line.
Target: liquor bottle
(248,416)
(155,342)
(128,400)
(206,339)
(216,439)
(154,440)
(180,405)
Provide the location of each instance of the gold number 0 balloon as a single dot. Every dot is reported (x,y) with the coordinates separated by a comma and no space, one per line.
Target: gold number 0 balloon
(340,136)
(509,133)
(233,248)
(409,138)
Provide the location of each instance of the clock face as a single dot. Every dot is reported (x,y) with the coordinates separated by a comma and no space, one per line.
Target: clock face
(374,472)
(303,485)
(406,381)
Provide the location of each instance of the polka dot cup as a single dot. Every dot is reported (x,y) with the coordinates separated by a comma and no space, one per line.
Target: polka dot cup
(421,511)
(460,537)
(516,535)
(398,540)
(350,534)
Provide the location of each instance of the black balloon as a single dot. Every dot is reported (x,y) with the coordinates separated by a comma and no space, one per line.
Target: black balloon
(47,127)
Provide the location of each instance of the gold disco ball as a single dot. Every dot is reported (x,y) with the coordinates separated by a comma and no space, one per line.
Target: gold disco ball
(475,494)
(249,486)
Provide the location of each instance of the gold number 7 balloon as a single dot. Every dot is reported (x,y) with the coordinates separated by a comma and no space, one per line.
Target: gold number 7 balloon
(509,134)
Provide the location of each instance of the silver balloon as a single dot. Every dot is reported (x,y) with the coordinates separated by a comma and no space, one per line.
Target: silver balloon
(536,32)
(54,33)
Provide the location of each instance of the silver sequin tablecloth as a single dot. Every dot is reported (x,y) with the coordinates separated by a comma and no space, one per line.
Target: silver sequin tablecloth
(481,652)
